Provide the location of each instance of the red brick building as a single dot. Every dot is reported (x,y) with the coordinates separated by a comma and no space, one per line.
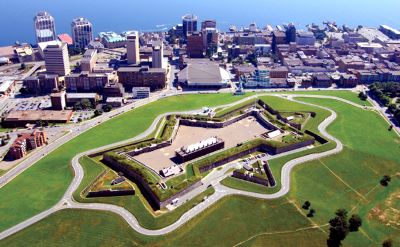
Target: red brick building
(26,142)
(195,45)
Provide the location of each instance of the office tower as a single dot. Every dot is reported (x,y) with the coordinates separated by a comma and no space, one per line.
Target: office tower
(195,45)
(44,27)
(157,56)
(132,48)
(189,22)
(82,32)
(291,33)
(56,59)
(208,24)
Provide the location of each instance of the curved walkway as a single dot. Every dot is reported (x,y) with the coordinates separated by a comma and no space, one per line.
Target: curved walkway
(220,190)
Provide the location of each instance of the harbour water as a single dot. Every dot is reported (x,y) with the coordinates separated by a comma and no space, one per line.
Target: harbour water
(16,18)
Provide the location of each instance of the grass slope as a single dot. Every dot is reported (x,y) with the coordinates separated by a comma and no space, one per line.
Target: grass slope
(239,218)
(42,185)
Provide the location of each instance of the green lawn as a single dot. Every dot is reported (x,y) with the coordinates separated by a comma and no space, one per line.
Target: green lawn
(344,94)
(342,180)
(351,178)
(229,222)
(136,204)
(42,185)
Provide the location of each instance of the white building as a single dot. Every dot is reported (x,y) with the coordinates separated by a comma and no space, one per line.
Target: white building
(203,73)
(305,38)
(44,27)
(57,60)
(141,92)
(82,32)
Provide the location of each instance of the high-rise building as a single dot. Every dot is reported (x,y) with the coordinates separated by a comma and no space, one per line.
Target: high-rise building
(290,33)
(189,22)
(82,32)
(157,56)
(208,24)
(195,45)
(44,27)
(132,48)
(210,38)
(56,59)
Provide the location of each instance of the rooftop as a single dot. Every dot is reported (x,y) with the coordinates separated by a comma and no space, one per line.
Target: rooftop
(31,115)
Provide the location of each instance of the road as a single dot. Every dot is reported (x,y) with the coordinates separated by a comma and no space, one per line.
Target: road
(214,178)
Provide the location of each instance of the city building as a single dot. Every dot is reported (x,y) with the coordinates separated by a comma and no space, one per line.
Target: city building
(195,45)
(249,39)
(141,92)
(143,76)
(41,84)
(44,27)
(158,56)
(321,80)
(88,60)
(58,100)
(6,87)
(73,98)
(189,24)
(290,33)
(26,142)
(132,48)
(278,38)
(57,60)
(113,89)
(114,101)
(25,53)
(203,73)
(210,38)
(22,118)
(208,24)
(86,82)
(65,38)
(279,72)
(390,31)
(259,78)
(43,45)
(305,38)
(112,40)
(82,32)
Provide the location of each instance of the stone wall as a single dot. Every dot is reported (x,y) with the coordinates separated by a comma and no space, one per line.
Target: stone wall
(144,187)
(108,193)
(252,179)
(270,176)
(178,195)
(149,149)
(317,137)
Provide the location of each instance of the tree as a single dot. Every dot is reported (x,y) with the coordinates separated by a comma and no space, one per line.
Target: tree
(23,66)
(98,113)
(306,205)
(339,228)
(385,180)
(392,108)
(107,108)
(387,243)
(362,96)
(86,104)
(355,222)
(23,90)
(311,213)
(77,106)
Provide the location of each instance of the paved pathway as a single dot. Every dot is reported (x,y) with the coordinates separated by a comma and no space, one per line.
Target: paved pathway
(214,178)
